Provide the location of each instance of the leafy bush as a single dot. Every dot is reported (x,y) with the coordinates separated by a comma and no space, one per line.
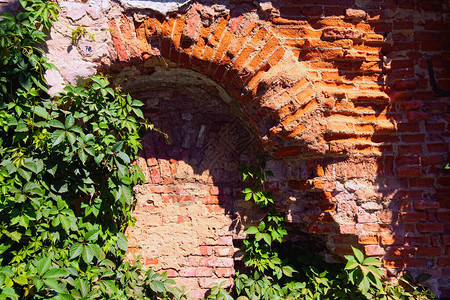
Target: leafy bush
(275,271)
(66,177)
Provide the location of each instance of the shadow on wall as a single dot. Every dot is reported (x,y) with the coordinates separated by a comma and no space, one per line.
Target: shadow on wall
(339,95)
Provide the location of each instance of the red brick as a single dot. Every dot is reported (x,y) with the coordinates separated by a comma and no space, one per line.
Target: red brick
(117,40)
(417,240)
(409,171)
(402,251)
(430,227)
(443,216)
(415,263)
(413,217)
(410,149)
(368,240)
(407,160)
(417,116)
(440,147)
(372,250)
(431,251)
(151,261)
(413,104)
(432,160)
(288,151)
(318,228)
(422,205)
(393,263)
(443,262)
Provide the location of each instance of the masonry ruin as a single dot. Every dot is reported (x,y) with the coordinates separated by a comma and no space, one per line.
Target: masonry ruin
(348,99)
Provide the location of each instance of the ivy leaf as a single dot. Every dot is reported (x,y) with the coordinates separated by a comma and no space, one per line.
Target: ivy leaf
(25,174)
(41,112)
(124,157)
(53,284)
(358,254)
(92,235)
(56,273)
(364,285)
(422,277)
(30,165)
(138,112)
(69,121)
(372,261)
(56,123)
(75,250)
(87,254)
(252,230)
(266,237)
(351,264)
(65,223)
(157,286)
(122,242)
(43,265)
(8,292)
(71,137)
(22,280)
(58,137)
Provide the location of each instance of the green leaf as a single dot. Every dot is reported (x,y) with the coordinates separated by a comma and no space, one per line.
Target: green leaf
(122,242)
(58,137)
(31,165)
(124,157)
(358,254)
(25,174)
(252,230)
(9,291)
(288,271)
(71,137)
(43,265)
(75,250)
(117,147)
(56,124)
(157,286)
(53,284)
(92,235)
(65,223)
(56,273)
(87,254)
(22,280)
(364,285)
(351,264)
(69,121)
(371,261)
(138,112)
(41,112)
(267,238)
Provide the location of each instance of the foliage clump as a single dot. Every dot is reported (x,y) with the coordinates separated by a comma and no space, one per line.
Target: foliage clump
(66,177)
(275,271)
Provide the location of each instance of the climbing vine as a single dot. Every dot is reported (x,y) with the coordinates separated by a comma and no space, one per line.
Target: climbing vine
(274,272)
(66,177)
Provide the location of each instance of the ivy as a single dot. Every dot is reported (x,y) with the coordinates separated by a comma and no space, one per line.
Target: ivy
(275,271)
(67,177)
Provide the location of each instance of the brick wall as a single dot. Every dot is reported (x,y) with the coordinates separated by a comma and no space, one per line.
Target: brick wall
(337,93)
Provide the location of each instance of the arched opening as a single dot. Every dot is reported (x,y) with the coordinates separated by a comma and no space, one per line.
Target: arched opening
(190,207)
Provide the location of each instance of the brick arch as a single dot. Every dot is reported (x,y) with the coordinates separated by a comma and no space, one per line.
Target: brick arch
(342,96)
(302,83)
